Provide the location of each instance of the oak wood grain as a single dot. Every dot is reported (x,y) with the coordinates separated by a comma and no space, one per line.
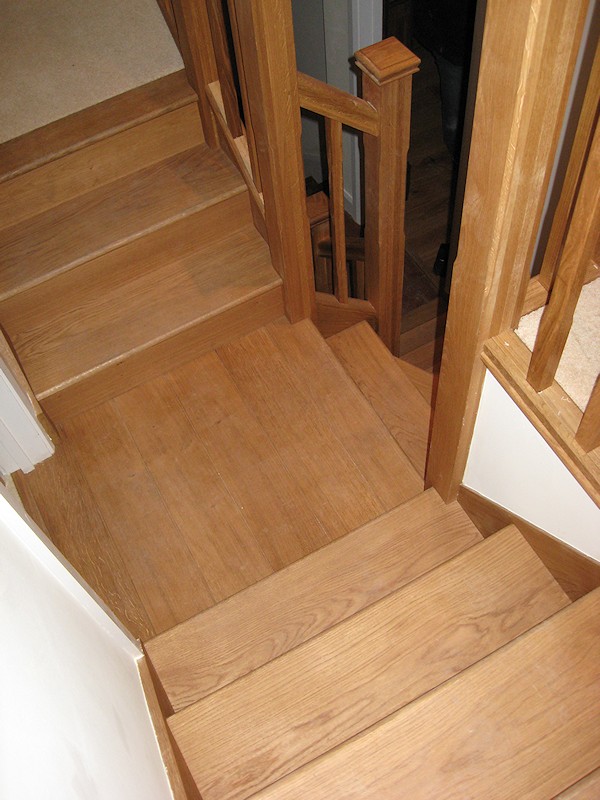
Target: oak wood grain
(211,523)
(378,375)
(489,732)
(99,163)
(350,677)
(332,103)
(333,138)
(110,216)
(249,462)
(92,124)
(308,597)
(587,788)
(137,295)
(588,432)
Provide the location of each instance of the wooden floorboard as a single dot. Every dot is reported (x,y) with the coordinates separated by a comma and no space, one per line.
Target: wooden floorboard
(522,723)
(587,788)
(112,215)
(311,595)
(166,575)
(340,683)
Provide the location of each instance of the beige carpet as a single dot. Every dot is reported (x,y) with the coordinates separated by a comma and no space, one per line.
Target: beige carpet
(580,363)
(60,56)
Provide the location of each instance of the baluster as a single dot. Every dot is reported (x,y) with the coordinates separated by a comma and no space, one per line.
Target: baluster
(244,92)
(588,433)
(224,66)
(333,134)
(195,41)
(579,249)
(387,68)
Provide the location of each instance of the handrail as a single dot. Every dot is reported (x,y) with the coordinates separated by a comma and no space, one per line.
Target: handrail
(333,103)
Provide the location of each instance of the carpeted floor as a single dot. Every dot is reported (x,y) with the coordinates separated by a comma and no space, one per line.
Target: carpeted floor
(60,56)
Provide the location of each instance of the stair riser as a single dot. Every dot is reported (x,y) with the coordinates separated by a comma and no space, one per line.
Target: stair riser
(157,358)
(98,164)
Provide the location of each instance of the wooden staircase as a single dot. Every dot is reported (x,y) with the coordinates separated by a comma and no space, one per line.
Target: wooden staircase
(118,247)
(251,497)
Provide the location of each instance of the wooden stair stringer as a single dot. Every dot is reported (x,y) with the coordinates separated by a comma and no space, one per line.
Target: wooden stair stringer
(351,676)
(193,659)
(492,731)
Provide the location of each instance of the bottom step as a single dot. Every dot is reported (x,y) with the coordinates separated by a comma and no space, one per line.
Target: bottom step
(280,717)
(522,723)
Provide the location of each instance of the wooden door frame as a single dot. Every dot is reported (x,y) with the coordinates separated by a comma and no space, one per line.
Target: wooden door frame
(528,58)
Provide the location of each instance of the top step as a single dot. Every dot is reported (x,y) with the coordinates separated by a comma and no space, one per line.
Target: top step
(93,124)
(194,659)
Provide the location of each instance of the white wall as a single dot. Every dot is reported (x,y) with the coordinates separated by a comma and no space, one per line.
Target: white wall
(511,464)
(73,718)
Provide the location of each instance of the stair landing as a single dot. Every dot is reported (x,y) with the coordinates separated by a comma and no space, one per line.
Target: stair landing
(201,482)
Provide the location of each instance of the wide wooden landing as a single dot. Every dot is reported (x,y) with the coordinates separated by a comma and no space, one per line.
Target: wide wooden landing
(338,684)
(197,484)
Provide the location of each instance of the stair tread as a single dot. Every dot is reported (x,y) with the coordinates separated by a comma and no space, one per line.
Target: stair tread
(138,294)
(101,220)
(99,163)
(194,659)
(523,722)
(348,678)
(381,380)
(92,124)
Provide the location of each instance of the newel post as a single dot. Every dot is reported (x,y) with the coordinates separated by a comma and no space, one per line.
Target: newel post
(266,40)
(387,69)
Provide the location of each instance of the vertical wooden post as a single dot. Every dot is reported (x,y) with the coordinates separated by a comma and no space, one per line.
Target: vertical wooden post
(387,83)
(197,52)
(266,40)
(528,54)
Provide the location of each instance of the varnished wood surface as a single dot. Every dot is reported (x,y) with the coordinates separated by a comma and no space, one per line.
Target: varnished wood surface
(523,722)
(184,519)
(93,124)
(137,295)
(112,215)
(588,432)
(379,377)
(99,163)
(352,676)
(575,573)
(195,659)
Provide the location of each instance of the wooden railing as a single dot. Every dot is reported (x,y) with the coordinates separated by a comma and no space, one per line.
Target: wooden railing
(241,61)
(510,167)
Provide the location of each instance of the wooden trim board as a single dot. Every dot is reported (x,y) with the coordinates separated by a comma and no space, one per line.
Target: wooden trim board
(576,573)
(180,781)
